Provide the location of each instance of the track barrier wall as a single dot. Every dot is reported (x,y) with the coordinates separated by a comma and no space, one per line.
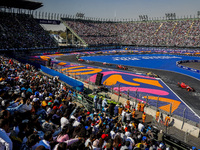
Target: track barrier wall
(178,63)
(77,85)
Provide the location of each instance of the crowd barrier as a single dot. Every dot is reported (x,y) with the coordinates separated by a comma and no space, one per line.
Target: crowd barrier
(178,63)
(77,85)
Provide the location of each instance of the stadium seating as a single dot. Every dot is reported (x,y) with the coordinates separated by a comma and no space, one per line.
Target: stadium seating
(182,33)
(20,31)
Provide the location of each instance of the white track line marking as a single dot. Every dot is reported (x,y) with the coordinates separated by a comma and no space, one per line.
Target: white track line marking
(180,99)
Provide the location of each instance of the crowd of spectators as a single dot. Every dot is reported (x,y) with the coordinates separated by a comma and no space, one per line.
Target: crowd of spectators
(37,112)
(154,33)
(95,33)
(21,31)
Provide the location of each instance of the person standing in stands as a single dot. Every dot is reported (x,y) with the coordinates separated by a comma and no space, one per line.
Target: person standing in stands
(5,141)
(99,103)
(46,141)
(128,116)
(123,115)
(95,99)
(104,104)
(116,110)
(10,62)
(111,109)
(120,109)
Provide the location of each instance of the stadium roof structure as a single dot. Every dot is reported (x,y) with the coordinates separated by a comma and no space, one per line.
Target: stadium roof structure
(24,4)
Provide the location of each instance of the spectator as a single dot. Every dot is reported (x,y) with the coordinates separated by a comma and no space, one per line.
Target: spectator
(126,146)
(116,110)
(46,141)
(5,141)
(64,120)
(32,142)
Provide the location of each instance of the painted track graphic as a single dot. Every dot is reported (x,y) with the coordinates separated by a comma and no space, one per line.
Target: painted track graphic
(146,87)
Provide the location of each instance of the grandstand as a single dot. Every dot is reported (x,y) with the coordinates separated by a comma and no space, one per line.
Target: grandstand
(83,32)
(174,33)
(23,33)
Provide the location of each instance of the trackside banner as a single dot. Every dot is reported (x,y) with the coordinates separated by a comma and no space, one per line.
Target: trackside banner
(178,63)
(46,21)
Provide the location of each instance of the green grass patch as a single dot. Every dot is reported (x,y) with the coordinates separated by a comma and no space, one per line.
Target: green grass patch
(103,96)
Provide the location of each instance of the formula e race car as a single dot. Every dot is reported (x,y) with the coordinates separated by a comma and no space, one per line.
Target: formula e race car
(105,63)
(151,74)
(185,86)
(100,52)
(122,67)
(89,62)
(80,59)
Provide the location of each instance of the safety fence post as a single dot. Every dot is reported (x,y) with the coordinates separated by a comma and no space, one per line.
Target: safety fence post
(118,92)
(157,103)
(89,83)
(183,118)
(128,94)
(136,98)
(147,99)
(170,109)
(112,88)
(185,137)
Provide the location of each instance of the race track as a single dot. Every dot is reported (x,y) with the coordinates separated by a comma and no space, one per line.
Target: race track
(166,88)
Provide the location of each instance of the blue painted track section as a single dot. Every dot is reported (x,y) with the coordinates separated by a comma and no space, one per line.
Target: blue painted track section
(152,61)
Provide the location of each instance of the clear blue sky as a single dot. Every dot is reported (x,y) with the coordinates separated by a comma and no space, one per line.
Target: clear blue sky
(121,8)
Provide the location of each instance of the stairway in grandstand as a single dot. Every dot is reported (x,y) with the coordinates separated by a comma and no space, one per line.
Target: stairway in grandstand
(190,28)
(158,28)
(74,33)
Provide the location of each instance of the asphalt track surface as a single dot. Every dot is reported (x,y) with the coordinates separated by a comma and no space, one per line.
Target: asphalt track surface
(192,99)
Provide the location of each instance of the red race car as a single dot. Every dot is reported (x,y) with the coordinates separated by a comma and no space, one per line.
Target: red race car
(105,63)
(80,59)
(185,86)
(122,67)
